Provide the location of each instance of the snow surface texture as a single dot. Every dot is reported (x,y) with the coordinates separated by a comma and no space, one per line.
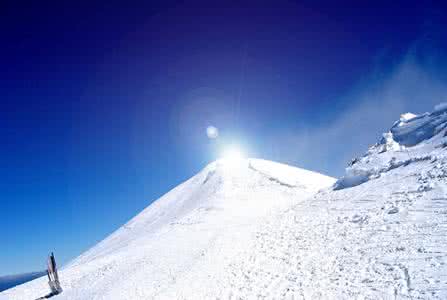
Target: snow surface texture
(384,239)
(261,230)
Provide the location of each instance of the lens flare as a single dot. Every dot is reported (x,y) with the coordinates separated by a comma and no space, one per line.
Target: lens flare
(212,132)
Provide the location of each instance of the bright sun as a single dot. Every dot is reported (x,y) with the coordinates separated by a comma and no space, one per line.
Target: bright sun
(233,154)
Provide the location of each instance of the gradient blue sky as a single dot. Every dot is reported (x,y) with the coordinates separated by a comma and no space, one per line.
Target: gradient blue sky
(105,106)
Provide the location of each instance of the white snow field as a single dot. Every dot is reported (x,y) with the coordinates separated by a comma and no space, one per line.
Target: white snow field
(254,229)
(179,246)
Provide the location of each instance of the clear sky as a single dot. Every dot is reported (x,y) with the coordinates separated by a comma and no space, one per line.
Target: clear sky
(105,106)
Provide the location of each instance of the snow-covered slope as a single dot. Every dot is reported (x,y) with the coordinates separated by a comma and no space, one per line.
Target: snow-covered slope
(381,234)
(180,245)
(260,230)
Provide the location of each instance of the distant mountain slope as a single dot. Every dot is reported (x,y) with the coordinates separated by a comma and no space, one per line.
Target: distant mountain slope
(181,243)
(7,282)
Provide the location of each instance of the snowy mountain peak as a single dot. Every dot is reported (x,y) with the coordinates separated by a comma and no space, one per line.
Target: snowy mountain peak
(413,129)
(411,139)
(407,117)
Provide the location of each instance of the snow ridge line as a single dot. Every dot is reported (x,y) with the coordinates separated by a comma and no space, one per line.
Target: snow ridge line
(273,179)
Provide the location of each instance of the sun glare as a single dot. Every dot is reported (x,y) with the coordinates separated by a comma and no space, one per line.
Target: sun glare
(233,155)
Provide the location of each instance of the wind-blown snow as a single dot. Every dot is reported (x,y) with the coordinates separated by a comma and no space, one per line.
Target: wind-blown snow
(441,106)
(262,230)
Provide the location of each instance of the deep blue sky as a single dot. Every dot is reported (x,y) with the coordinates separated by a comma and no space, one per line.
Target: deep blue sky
(104,106)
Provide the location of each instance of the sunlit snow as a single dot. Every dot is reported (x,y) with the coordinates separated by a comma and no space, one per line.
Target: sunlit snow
(263,230)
